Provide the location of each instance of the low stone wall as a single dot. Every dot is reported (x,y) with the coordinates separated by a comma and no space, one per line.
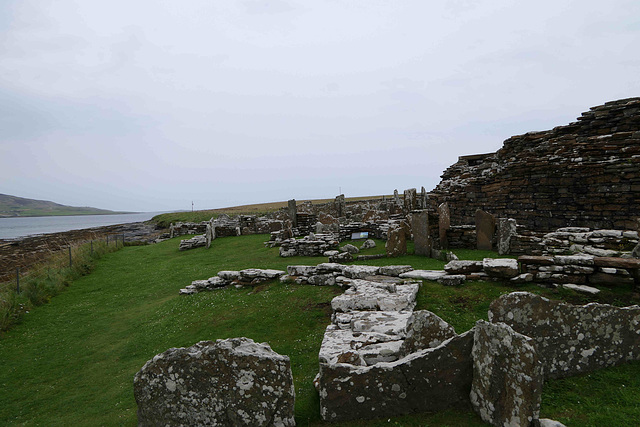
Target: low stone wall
(580,270)
(311,245)
(183,228)
(602,243)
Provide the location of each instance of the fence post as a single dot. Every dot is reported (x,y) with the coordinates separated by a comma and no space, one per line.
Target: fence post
(107,240)
(92,248)
(70,262)
(123,240)
(18,280)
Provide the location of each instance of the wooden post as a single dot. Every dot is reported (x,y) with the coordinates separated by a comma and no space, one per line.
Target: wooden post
(107,240)
(18,280)
(92,248)
(70,262)
(123,240)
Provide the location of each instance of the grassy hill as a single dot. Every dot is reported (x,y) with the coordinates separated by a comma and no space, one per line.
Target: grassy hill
(72,361)
(12,206)
(164,220)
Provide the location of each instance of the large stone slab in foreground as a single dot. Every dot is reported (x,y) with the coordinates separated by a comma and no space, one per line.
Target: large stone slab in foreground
(367,295)
(572,339)
(428,380)
(233,382)
(507,376)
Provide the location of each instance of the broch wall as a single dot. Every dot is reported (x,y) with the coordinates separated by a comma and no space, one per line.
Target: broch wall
(583,174)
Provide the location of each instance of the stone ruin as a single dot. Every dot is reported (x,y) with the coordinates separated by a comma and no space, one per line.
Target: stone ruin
(233,382)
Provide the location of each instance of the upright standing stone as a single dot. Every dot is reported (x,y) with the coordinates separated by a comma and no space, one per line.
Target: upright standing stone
(209,235)
(233,382)
(293,212)
(396,242)
(507,376)
(422,201)
(172,231)
(485,229)
(421,238)
(410,197)
(444,224)
(340,205)
(396,198)
(506,230)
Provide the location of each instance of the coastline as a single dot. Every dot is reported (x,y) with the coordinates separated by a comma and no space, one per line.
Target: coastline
(24,252)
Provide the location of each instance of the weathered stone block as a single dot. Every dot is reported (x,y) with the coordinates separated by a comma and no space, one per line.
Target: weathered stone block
(507,376)
(394,270)
(230,382)
(485,229)
(365,295)
(421,238)
(463,267)
(506,231)
(572,339)
(500,268)
(452,279)
(428,380)
(444,224)
(396,244)
(425,330)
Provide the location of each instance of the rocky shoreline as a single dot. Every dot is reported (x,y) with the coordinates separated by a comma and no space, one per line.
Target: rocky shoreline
(27,251)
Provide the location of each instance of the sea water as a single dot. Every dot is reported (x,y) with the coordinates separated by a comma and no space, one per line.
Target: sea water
(12,228)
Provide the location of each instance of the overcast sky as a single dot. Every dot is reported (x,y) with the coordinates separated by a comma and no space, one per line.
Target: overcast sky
(148,105)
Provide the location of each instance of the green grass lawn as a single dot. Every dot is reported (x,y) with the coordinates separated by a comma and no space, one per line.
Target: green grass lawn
(72,361)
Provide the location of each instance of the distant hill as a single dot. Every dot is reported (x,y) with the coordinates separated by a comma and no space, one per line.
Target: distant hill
(12,206)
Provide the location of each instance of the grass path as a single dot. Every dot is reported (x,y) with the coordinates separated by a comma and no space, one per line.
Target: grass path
(72,361)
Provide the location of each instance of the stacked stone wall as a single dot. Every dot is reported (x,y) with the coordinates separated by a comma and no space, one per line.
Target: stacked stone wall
(584,174)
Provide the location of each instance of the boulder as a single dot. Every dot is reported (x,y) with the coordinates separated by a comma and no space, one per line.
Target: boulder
(425,330)
(507,376)
(368,244)
(341,257)
(322,280)
(572,339)
(350,248)
(230,382)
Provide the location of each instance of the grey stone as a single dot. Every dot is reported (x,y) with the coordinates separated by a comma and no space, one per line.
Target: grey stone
(341,257)
(230,382)
(636,251)
(582,288)
(350,248)
(546,422)
(301,270)
(395,270)
(293,212)
(452,279)
(194,242)
(485,229)
(501,268)
(506,231)
(463,267)
(425,330)
(428,380)
(444,224)
(572,339)
(421,238)
(229,275)
(330,253)
(322,280)
(507,376)
(366,295)
(360,271)
(209,235)
(423,274)
(410,199)
(368,244)
(396,244)
(329,267)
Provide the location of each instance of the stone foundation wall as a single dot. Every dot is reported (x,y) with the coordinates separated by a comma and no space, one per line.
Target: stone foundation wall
(583,174)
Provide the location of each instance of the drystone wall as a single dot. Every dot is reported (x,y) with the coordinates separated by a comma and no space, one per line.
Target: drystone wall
(583,174)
